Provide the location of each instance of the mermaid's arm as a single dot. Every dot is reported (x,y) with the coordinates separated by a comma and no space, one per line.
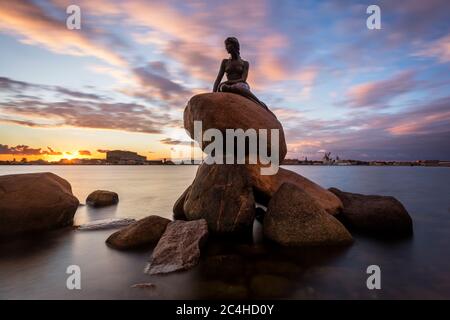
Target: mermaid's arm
(219,76)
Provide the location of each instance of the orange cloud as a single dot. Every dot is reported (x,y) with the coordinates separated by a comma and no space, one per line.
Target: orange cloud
(35,27)
(84,152)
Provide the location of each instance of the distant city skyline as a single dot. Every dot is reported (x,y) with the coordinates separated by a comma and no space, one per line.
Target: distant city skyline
(122,81)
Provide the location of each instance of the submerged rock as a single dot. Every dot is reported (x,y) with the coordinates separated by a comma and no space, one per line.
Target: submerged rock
(216,289)
(221,111)
(266,186)
(102,198)
(146,231)
(267,286)
(294,218)
(35,202)
(106,224)
(223,196)
(145,285)
(179,247)
(378,215)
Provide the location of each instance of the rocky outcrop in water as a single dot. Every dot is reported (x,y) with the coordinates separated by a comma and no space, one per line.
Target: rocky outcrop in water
(144,232)
(265,187)
(178,207)
(299,213)
(223,196)
(35,202)
(294,218)
(381,216)
(102,198)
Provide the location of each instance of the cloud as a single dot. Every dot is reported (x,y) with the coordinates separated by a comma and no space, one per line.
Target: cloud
(26,150)
(101,115)
(102,150)
(84,152)
(77,94)
(419,132)
(439,49)
(51,152)
(417,19)
(8,85)
(34,26)
(153,84)
(170,141)
(379,93)
(87,111)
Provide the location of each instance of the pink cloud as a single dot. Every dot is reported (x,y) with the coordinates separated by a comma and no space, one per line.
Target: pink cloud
(35,27)
(439,49)
(379,93)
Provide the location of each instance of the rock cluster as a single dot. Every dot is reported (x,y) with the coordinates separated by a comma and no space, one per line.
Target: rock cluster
(226,195)
(299,212)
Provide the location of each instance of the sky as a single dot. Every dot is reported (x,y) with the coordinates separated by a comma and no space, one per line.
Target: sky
(122,81)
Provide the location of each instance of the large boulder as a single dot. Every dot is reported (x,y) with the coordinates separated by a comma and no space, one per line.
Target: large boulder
(102,198)
(35,202)
(178,211)
(382,216)
(265,186)
(179,247)
(223,196)
(221,110)
(146,231)
(294,218)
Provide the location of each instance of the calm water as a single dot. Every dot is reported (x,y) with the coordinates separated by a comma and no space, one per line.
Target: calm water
(419,267)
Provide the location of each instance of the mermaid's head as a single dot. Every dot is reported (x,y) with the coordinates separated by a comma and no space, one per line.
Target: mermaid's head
(232,45)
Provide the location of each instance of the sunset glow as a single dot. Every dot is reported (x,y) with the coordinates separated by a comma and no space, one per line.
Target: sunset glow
(334,84)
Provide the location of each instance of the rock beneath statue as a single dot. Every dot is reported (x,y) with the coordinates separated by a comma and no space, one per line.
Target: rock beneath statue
(179,247)
(35,202)
(144,232)
(266,186)
(382,216)
(223,111)
(223,196)
(178,211)
(103,224)
(294,218)
(102,198)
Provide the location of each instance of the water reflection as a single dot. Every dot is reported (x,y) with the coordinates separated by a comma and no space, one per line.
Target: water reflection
(412,268)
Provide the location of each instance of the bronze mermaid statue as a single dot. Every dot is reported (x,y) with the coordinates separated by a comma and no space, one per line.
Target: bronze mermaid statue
(236,70)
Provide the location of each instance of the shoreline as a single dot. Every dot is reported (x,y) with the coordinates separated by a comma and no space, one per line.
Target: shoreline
(444,165)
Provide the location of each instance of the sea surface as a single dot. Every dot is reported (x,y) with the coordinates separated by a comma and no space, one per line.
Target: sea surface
(414,268)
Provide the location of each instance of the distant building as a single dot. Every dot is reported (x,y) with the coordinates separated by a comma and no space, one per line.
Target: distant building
(290,162)
(155,162)
(327,158)
(124,157)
